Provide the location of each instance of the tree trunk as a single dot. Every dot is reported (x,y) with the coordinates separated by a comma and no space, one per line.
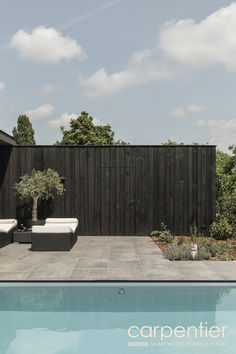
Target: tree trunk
(35,209)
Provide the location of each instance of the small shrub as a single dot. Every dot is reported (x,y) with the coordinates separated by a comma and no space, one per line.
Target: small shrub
(203,253)
(228,209)
(180,241)
(214,249)
(210,246)
(178,253)
(221,229)
(224,257)
(163,235)
(223,247)
(194,233)
(206,250)
(206,242)
(155,233)
(167,238)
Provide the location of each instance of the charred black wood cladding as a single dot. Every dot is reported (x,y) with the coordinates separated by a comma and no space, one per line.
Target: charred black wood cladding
(120,190)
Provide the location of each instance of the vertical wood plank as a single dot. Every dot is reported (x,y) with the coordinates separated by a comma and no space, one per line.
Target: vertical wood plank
(91,186)
(212,173)
(97,192)
(199,189)
(125,190)
(190,189)
(113,190)
(185,187)
(76,186)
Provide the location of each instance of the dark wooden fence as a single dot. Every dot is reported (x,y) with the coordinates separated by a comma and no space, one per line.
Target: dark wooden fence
(119,190)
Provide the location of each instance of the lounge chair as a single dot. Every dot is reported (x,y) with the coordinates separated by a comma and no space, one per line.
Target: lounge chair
(7,226)
(58,234)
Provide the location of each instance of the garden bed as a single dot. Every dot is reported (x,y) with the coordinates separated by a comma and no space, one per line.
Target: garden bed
(178,248)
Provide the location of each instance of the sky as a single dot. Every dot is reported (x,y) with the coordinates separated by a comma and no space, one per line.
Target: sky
(152,69)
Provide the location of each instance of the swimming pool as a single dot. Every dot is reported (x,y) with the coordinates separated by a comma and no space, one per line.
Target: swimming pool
(115,318)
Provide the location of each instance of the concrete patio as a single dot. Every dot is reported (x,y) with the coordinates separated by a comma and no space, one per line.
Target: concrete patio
(106,258)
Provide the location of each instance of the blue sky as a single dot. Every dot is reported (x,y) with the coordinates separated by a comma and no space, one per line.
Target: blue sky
(152,69)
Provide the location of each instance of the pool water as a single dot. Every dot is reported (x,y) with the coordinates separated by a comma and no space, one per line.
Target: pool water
(115,318)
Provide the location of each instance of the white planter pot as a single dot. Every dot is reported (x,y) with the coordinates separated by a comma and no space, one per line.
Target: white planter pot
(193,253)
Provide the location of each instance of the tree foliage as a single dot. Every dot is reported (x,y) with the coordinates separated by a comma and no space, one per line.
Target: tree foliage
(24,132)
(224,175)
(171,142)
(83,131)
(39,185)
(226,187)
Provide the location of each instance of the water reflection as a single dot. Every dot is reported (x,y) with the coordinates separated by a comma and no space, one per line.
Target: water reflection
(95,319)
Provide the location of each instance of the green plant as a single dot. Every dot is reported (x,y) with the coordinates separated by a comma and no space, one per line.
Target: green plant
(194,233)
(225,194)
(221,229)
(23,133)
(155,233)
(178,253)
(206,250)
(84,131)
(203,253)
(210,246)
(39,185)
(224,257)
(214,249)
(164,235)
(205,242)
(167,238)
(223,246)
(229,209)
(180,241)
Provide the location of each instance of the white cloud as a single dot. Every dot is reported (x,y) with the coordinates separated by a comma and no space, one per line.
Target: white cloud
(51,88)
(46,45)
(201,123)
(97,121)
(221,132)
(183,112)
(40,112)
(178,113)
(140,69)
(64,120)
(2,86)
(195,108)
(102,84)
(183,45)
(212,41)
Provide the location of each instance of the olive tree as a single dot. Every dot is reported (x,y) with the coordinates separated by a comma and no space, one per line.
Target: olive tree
(39,185)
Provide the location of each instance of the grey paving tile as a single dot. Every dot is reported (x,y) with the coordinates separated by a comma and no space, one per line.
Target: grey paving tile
(58,267)
(125,273)
(17,266)
(91,263)
(227,275)
(128,264)
(49,276)
(119,278)
(81,274)
(14,276)
(166,277)
(102,258)
(98,272)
